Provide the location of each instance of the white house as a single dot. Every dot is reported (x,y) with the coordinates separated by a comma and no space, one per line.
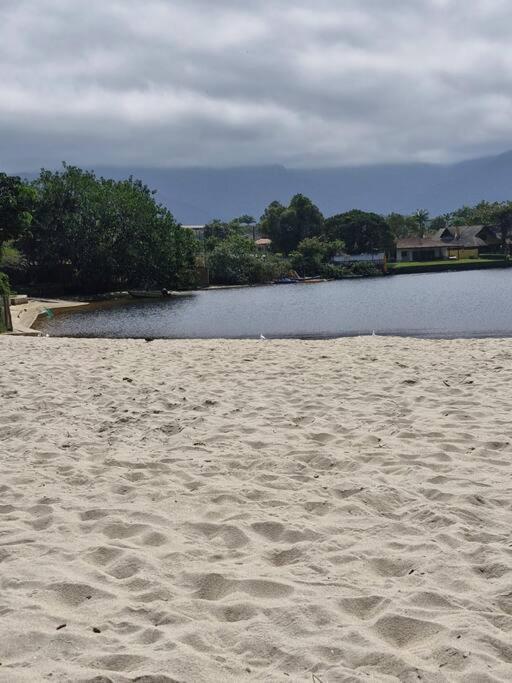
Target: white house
(342,259)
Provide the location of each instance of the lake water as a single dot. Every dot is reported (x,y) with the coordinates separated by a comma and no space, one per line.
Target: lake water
(464,304)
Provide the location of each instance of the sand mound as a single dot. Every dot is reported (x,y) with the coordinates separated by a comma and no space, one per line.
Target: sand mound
(229,511)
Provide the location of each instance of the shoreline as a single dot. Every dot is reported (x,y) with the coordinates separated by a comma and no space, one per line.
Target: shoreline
(26,314)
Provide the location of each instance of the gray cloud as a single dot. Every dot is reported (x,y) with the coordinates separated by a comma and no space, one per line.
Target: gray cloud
(196,82)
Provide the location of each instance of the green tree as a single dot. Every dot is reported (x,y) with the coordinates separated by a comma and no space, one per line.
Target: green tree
(398,224)
(93,234)
(439,223)
(312,254)
(16,205)
(360,231)
(221,230)
(483,213)
(422,219)
(287,226)
(236,261)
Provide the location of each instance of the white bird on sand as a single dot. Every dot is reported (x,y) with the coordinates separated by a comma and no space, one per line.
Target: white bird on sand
(263,338)
(373,334)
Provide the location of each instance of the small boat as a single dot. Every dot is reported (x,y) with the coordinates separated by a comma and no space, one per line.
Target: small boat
(312,280)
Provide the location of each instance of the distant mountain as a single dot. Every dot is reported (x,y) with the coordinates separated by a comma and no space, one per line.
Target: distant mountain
(196,195)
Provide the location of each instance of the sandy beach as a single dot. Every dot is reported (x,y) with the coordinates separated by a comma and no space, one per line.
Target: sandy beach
(197,511)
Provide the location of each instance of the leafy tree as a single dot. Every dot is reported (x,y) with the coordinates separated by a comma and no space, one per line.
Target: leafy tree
(439,223)
(287,226)
(483,213)
(360,231)
(417,224)
(16,204)
(94,234)
(312,254)
(271,222)
(236,261)
(398,224)
(221,230)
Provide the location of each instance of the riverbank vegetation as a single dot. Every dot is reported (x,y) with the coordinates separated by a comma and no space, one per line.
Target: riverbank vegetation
(71,231)
(79,233)
(438,266)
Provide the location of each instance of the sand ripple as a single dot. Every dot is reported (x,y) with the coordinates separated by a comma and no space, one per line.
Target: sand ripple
(269,511)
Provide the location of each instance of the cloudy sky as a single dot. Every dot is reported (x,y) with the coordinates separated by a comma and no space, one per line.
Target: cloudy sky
(242,82)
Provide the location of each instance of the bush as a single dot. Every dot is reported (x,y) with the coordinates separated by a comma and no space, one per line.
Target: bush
(10,257)
(312,254)
(14,266)
(359,269)
(333,272)
(365,268)
(236,261)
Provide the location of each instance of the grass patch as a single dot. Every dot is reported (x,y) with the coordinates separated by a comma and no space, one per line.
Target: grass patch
(436,266)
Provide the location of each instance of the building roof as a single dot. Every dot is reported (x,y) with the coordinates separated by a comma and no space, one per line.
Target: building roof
(419,243)
(263,242)
(464,237)
(466,234)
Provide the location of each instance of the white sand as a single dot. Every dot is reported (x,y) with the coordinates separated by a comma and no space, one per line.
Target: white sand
(259,511)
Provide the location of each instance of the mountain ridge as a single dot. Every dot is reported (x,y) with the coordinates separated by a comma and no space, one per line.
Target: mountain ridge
(199,194)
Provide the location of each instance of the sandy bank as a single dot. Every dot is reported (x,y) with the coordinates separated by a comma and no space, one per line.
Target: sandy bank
(24,315)
(262,511)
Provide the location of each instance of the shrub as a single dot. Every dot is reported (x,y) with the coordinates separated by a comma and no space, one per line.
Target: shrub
(333,272)
(365,268)
(236,261)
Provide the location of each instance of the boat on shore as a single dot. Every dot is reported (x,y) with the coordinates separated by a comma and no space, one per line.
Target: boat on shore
(299,280)
(312,280)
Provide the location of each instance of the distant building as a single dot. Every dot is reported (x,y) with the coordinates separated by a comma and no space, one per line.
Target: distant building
(263,243)
(459,242)
(342,259)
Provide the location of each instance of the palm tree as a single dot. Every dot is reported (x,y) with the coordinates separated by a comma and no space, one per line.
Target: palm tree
(422,218)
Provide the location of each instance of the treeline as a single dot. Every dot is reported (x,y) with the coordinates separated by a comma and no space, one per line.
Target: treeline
(495,214)
(302,241)
(71,231)
(77,232)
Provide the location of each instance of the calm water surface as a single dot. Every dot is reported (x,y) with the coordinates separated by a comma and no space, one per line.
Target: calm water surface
(469,304)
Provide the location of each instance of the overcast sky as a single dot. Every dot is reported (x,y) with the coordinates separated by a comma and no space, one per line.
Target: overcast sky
(242,82)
